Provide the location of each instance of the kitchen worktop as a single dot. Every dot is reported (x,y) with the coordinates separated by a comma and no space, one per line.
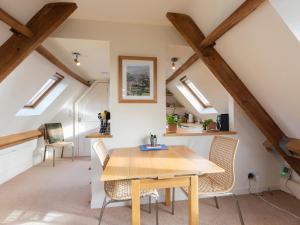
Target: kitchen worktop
(190,125)
(197,132)
(98,135)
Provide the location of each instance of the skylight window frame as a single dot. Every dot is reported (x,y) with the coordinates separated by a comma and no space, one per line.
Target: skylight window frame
(34,103)
(184,80)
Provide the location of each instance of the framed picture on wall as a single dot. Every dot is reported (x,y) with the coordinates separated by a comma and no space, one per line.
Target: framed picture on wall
(137,79)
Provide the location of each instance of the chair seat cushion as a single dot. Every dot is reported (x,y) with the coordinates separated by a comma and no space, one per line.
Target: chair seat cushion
(207,185)
(121,190)
(61,144)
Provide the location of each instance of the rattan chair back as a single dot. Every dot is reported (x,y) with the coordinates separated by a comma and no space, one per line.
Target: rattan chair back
(102,153)
(222,153)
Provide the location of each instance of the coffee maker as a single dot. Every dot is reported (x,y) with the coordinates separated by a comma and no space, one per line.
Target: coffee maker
(223,122)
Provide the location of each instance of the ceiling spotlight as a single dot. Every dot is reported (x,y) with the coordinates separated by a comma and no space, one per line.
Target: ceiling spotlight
(77,62)
(174,60)
(76,56)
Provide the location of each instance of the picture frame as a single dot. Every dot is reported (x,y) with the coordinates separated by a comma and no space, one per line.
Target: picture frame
(137,79)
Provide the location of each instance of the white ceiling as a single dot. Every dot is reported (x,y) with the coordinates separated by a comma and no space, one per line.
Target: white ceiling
(134,11)
(94,59)
(182,53)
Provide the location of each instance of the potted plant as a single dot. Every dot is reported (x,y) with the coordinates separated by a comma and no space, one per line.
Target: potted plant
(209,125)
(172,122)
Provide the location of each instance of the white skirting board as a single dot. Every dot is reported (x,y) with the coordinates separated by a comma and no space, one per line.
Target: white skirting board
(292,187)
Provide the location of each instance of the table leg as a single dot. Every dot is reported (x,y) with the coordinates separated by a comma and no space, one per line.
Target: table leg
(135,193)
(53,157)
(168,196)
(193,201)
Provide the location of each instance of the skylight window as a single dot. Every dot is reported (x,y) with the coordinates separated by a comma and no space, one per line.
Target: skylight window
(195,92)
(44,91)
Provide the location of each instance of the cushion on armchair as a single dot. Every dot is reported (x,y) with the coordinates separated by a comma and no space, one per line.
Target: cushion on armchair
(54,132)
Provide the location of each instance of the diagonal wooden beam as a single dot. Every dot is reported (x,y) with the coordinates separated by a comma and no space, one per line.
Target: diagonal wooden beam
(237,16)
(238,90)
(48,55)
(193,35)
(292,145)
(243,11)
(183,67)
(18,47)
(14,23)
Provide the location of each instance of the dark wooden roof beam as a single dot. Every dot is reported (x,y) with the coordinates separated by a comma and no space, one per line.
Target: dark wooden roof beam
(231,82)
(243,11)
(18,47)
(15,25)
(237,16)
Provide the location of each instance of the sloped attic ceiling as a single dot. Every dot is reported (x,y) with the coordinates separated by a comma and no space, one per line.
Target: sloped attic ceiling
(209,86)
(132,11)
(260,56)
(94,56)
(190,31)
(263,52)
(29,75)
(14,94)
(200,75)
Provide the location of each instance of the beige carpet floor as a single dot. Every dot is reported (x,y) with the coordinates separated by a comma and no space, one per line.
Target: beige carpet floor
(45,195)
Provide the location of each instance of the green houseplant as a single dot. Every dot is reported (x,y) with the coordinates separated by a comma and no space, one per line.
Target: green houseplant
(205,123)
(172,122)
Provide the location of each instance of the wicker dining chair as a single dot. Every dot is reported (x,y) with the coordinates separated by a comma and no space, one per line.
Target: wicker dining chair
(119,191)
(222,153)
(54,138)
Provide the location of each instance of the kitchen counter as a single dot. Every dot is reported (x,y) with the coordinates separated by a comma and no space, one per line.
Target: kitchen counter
(197,132)
(98,135)
(190,125)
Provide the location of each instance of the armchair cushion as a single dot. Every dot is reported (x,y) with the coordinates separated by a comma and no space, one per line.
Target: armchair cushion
(54,132)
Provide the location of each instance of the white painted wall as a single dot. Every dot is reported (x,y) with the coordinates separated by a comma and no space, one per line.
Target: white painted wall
(17,159)
(131,123)
(96,100)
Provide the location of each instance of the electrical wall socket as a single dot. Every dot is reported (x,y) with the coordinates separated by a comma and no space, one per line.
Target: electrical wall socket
(253,176)
(286,172)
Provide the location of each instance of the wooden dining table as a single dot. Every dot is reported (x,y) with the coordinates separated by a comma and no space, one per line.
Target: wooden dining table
(178,166)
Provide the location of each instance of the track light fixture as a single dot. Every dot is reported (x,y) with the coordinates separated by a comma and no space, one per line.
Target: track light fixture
(174,60)
(76,56)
